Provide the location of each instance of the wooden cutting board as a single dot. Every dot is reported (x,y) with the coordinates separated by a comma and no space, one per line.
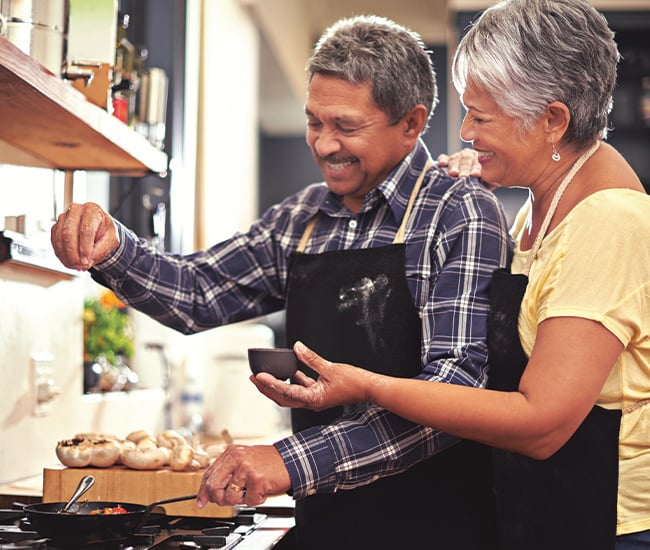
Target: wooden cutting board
(120,484)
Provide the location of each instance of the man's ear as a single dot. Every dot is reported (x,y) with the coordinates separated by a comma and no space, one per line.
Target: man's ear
(415,121)
(557,118)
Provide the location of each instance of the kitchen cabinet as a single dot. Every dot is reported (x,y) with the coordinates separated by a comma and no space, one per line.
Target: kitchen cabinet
(45,122)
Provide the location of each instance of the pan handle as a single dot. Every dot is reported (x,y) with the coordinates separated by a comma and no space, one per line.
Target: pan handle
(148,509)
(169,501)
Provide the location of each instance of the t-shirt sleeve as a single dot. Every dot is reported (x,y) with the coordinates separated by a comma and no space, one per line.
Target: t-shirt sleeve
(598,269)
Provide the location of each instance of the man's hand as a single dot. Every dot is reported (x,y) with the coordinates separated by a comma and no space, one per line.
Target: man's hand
(244,475)
(83,236)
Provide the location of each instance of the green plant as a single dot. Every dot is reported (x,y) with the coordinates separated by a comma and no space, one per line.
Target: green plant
(107,328)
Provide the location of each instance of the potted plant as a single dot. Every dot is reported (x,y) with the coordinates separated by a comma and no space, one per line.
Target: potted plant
(108,343)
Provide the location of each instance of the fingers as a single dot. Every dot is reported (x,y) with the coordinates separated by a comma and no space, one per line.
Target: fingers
(302,379)
(244,475)
(461,164)
(83,235)
(216,479)
(278,391)
(443,160)
(309,357)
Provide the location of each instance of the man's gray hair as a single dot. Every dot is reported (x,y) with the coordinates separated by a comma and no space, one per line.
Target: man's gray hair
(377,50)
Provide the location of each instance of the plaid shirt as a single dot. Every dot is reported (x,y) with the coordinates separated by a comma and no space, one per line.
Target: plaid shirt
(456,237)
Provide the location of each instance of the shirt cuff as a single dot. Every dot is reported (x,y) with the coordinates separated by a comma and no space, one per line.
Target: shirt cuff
(310,461)
(118,261)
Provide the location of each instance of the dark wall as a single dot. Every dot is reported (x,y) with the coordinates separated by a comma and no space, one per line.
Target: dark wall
(158,26)
(286,164)
(630,130)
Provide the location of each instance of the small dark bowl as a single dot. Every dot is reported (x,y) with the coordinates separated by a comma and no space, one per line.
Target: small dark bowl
(280,362)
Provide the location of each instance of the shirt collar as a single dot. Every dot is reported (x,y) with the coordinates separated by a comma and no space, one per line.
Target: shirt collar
(395,190)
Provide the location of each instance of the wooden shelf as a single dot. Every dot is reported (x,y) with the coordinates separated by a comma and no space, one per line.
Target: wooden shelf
(47,123)
(18,251)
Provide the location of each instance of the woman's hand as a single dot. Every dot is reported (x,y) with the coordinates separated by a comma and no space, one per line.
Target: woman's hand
(462,164)
(337,384)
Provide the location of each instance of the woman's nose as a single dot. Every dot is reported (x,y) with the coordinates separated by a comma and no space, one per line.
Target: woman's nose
(466,134)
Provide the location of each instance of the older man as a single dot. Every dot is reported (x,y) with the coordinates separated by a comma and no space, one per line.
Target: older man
(385,265)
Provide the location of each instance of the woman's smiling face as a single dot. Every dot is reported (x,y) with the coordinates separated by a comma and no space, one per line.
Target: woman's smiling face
(508,157)
(351,138)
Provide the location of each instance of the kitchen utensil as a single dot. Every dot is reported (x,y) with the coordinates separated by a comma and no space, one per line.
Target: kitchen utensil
(76,529)
(153,106)
(85,483)
(280,362)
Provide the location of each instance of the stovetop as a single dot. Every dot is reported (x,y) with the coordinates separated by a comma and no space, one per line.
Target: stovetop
(161,532)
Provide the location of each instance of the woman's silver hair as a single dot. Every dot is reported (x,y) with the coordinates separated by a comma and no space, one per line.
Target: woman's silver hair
(529,53)
(392,58)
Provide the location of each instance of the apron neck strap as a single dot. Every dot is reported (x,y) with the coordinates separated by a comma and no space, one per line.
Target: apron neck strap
(307,233)
(553,207)
(399,237)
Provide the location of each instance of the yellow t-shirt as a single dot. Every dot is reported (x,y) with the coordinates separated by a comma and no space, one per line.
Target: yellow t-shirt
(596,265)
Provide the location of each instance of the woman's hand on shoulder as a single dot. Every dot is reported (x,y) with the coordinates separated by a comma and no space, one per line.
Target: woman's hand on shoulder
(463,163)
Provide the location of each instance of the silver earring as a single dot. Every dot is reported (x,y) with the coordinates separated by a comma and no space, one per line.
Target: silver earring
(555,156)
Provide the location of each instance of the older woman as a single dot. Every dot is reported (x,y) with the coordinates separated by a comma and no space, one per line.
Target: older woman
(569,404)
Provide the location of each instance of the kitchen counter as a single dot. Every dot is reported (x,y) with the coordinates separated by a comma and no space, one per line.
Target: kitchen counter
(25,491)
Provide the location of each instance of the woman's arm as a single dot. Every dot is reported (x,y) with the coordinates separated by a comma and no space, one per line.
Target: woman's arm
(566,371)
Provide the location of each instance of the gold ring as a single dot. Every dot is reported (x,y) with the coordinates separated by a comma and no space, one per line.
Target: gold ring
(236,488)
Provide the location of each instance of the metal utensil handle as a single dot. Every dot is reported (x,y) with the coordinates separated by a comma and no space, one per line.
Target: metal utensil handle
(85,483)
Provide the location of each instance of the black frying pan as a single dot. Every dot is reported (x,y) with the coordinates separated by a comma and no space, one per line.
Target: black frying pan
(82,527)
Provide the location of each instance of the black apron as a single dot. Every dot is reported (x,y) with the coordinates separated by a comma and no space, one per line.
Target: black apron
(567,502)
(354,306)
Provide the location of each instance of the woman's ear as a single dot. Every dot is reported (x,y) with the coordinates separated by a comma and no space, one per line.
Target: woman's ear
(557,118)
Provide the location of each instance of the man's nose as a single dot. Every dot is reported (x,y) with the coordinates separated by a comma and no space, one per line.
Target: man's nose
(327,143)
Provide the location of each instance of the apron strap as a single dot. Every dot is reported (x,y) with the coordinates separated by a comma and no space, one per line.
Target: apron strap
(307,233)
(399,236)
(551,209)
